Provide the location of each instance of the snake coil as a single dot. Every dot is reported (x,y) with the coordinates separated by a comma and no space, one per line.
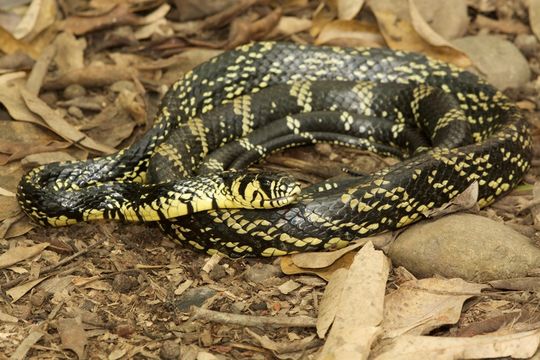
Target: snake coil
(450,127)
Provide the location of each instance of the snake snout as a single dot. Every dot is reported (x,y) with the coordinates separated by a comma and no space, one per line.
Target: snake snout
(264,190)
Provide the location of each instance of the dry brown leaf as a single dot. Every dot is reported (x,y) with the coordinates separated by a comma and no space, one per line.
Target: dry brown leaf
(20,101)
(423,29)
(283,348)
(91,76)
(8,318)
(351,33)
(26,345)
(9,207)
(419,306)
(198,9)
(60,126)
(119,15)
(227,14)
(7,224)
(243,31)
(18,292)
(289,25)
(69,52)
(318,260)
(329,304)
(508,26)
(19,253)
(17,150)
(288,267)
(22,226)
(73,336)
(348,9)
(521,284)
(40,15)
(521,345)
(321,17)
(360,311)
(534,17)
(39,70)
(400,34)
(10,45)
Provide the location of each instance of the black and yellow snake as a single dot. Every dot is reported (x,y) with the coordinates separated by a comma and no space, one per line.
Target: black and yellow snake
(451,128)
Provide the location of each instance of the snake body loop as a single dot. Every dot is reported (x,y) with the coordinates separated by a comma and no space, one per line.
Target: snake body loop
(450,128)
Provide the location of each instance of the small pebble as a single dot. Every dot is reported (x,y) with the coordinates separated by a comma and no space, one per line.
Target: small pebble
(49,98)
(74,91)
(528,44)
(75,112)
(170,350)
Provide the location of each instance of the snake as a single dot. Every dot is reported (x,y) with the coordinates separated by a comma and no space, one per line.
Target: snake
(188,173)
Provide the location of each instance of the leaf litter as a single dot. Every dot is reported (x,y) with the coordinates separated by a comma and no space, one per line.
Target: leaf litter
(84,78)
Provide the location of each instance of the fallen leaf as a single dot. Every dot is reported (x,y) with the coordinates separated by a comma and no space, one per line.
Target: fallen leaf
(91,76)
(288,286)
(59,125)
(351,33)
(24,347)
(400,34)
(360,311)
(288,267)
(419,306)
(289,25)
(19,253)
(69,52)
(318,260)
(279,348)
(243,31)
(348,9)
(19,291)
(522,345)
(119,15)
(521,284)
(40,15)
(8,318)
(329,304)
(10,45)
(72,335)
(534,17)
(9,206)
(448,19)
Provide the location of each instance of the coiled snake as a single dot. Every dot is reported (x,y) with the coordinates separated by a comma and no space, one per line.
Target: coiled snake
(451,129)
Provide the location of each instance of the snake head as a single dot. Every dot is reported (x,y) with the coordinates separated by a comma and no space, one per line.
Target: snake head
(262,190)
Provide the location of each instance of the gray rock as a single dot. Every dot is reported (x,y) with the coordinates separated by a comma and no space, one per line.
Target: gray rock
(497,59)
(194,297)
(467,246)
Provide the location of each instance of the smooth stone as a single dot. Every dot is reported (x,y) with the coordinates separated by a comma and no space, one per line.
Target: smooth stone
(467,246)
(497,59)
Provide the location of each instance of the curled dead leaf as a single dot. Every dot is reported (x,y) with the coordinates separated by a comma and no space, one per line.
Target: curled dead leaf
(400,34)
(351,33)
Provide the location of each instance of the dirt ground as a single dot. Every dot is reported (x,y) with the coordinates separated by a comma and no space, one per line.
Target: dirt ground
(114,291)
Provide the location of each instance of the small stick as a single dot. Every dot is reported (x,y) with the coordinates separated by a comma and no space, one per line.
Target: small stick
(250,320)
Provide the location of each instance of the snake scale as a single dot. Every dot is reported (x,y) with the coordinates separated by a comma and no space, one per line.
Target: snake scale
(450,128)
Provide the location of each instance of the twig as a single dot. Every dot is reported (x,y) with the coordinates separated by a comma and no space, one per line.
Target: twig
(250,320)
